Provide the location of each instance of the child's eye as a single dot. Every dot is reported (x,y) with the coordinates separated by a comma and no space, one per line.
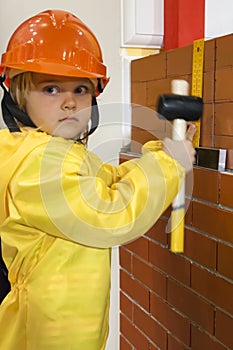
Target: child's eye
(81,90)
(51,90)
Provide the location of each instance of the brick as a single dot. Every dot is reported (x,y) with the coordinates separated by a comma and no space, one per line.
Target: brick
(213,220)
(230,159)
(170,263)
(141,69)
(212,287)
(124,157)
(133,335)
(151,277)
(207,125)
(209,55)
(125,259)
(189,213)
(206,184)
(146,119)
(191,305)
(179,61)
(126,306)
(139,247)
(225,260)
(153,347)
(224,51)
(207,120)
(134,289)
(139,137)
(138,93)
(155,88)
(170,319)
(201,340)
(206,140)
(189,181)
(158,232)
(124,345)
(150,327)
(226,189)
(224,327)
(201,248)
(224,84)
(167,213)
(174,344)
(223,119)
(223,142)
(208,87)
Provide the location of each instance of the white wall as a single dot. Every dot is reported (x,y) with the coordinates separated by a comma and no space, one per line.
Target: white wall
(218,18)
(103,18)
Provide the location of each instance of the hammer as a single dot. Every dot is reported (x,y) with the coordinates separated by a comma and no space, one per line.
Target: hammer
(179,108)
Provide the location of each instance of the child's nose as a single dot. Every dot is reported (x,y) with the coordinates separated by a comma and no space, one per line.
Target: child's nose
(69,101)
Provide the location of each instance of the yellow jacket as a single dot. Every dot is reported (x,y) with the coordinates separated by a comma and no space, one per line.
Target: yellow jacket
(61,209)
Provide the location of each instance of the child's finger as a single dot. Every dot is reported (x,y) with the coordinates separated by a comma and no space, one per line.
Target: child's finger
(190,132)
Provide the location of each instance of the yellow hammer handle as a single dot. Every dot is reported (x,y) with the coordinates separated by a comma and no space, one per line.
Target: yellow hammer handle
(177,228)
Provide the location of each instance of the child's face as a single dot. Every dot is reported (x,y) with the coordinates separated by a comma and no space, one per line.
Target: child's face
(60,105)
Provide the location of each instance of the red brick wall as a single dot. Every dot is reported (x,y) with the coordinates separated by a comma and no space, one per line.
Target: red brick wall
(184,301)
(152,75)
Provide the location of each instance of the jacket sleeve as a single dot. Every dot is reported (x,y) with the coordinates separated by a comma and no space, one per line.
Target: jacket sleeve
(65,191)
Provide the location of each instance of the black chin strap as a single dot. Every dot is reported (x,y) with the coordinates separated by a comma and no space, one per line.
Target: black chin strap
(11,111)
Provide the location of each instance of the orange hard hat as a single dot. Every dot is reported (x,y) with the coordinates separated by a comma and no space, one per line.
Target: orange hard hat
(55,42)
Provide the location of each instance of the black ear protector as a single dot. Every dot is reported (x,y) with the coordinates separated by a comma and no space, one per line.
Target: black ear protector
(99,86)
(95,109)
(94,116)
(11,111)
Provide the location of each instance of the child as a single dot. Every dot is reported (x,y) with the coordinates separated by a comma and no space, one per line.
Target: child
(61,208)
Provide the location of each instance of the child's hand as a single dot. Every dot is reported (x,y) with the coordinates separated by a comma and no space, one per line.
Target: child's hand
(182,151)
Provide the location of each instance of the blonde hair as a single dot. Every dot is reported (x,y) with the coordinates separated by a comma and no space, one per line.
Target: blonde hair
(20,85)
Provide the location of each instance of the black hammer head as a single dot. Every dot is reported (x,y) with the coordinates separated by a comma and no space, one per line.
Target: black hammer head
(172,106)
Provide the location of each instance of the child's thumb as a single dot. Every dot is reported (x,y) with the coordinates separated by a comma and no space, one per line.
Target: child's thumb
(190,132)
